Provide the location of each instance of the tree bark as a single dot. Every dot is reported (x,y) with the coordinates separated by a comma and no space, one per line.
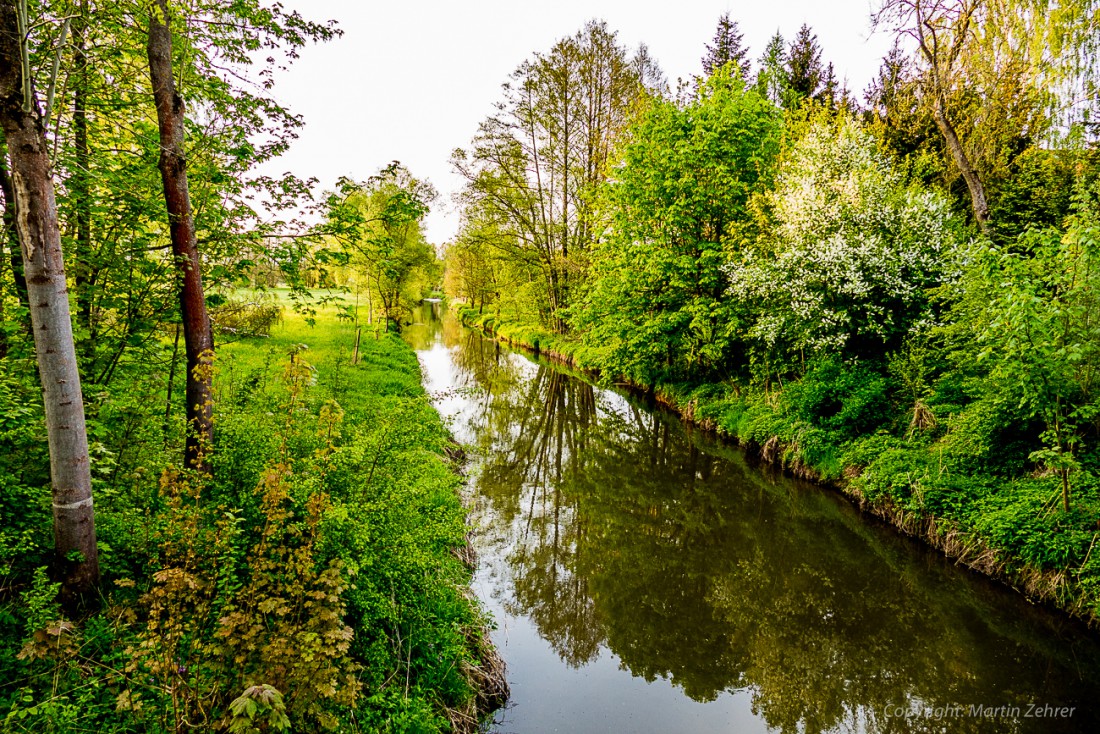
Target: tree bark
(40,240)
(970,175)
(8,240)
(197,334)
(941,31)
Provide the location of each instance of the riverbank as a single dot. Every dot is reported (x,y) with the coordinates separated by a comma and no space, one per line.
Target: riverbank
(396,521)
(314,580)
(1007,528)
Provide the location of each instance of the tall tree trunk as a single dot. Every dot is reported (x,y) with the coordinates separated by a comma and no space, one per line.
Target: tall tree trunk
(40,239)
(969,173)
(8,240)
(197,334)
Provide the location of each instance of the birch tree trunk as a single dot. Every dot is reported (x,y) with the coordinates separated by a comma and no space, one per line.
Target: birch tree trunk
(44,267)
(942,30)
(197,334)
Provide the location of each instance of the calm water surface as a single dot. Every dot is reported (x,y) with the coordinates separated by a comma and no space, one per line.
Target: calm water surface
(645,578)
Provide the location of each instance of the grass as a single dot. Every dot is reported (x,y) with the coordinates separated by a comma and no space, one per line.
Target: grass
(396,518)
(320,559)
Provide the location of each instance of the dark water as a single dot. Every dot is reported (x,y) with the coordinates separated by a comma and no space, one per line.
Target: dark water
(646,578)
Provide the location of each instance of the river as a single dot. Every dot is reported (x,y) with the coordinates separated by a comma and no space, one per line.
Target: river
(645,577)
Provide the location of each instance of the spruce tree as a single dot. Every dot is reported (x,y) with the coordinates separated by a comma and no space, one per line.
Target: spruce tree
(804,72)
(829,87)
(728,47)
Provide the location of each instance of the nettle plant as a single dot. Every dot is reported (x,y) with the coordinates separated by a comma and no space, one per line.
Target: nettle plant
(852,252)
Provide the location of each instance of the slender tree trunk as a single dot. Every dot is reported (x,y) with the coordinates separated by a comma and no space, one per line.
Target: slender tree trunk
(40,239)
(197,334)
(171,384)
(970,175)
(8,239)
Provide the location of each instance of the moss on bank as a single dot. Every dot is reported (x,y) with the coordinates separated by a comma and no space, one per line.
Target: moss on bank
(915,466)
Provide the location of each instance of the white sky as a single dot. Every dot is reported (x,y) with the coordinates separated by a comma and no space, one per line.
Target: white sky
(410,81)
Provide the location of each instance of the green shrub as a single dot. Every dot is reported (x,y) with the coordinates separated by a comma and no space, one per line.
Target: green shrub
(849,400)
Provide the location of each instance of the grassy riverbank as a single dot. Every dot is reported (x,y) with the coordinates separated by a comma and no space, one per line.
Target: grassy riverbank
(927,471)
(319,560)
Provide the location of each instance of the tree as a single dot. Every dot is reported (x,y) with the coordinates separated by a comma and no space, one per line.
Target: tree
(40,240)
(942,29)
(853,253)
(829,87)
(533,167)
(1023,64)
(773,80)
(475,269)
(805,74)
(728,47)
(657,308)
(380,224)
(197,333)
(241,126)
(1035,308)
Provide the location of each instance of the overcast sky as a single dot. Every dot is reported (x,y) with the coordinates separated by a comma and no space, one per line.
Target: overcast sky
(410,80)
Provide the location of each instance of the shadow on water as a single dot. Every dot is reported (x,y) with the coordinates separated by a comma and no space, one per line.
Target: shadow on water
(647,557)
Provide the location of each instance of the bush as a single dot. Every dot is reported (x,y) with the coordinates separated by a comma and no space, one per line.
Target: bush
(848,400)
(252,317)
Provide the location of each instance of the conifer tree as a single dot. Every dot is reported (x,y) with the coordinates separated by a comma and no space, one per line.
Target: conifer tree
(772,79)
(728,47)
(804,72)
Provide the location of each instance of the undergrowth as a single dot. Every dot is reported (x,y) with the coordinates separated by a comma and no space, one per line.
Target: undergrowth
(310,584)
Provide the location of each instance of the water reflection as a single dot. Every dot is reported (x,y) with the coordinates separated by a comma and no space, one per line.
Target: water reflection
(612,529)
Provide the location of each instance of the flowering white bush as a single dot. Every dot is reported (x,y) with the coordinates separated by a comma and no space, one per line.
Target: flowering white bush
(854,249)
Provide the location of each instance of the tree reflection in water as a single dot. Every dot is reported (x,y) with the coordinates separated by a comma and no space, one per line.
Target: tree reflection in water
(620,529)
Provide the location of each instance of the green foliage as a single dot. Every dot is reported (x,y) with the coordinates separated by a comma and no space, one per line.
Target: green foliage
(534,166)
(24,470)
(40,602)
(1038,193)
(853,253)
(378,226)
(1036,320)
(773,80)
(264,701)
(805,73)
(657,308)
(231,606)
(848,400)
(315,574)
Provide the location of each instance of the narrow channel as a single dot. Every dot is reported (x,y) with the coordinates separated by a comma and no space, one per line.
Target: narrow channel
(647,578)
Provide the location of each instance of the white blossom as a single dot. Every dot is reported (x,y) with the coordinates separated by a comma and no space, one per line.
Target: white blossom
(855,250)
